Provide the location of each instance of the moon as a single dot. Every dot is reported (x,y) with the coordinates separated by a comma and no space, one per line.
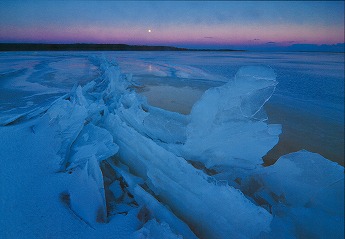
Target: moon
(149,31)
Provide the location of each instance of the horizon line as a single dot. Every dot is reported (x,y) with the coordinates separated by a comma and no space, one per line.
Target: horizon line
(255,48)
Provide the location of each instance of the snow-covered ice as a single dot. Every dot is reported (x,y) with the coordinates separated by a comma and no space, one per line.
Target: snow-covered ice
(101,162)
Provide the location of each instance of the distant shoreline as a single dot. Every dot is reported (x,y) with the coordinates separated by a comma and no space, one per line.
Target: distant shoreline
(93,47)
(9,47)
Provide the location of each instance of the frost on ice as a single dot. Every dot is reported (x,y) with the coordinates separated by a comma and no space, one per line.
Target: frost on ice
(191,176)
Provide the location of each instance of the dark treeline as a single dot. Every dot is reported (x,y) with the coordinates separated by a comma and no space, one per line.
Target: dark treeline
(82,47)
(90,47)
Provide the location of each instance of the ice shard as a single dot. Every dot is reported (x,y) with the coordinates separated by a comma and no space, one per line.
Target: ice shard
(224,129)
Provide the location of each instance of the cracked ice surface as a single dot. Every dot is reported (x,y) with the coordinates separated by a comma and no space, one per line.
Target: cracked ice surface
(196,175)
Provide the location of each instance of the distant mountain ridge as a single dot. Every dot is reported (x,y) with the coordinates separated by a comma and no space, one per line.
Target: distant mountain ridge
(276,47)
(339,47)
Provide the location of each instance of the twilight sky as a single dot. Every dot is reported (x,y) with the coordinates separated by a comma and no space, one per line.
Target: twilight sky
(179,23)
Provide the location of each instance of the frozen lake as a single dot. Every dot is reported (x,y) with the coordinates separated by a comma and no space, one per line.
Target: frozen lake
(160,144)
(308,100)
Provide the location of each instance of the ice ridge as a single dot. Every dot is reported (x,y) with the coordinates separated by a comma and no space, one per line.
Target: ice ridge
(106,126)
